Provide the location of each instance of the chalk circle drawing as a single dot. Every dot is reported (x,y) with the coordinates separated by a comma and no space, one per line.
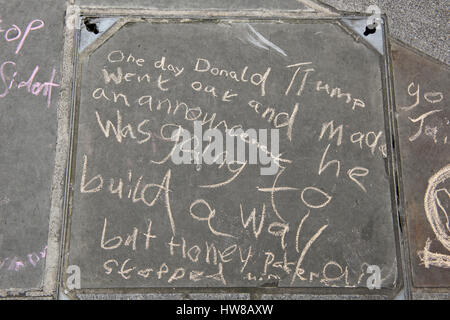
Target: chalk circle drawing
(438,219)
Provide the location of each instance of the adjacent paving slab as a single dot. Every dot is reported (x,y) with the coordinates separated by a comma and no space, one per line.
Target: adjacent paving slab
(31,43)
(421,88)
(323,219)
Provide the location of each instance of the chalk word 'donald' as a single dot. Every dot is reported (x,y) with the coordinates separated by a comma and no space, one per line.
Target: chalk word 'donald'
(189,149)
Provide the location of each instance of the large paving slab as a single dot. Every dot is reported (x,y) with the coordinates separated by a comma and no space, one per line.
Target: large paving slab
(325,221)
(421,92)
(31,41)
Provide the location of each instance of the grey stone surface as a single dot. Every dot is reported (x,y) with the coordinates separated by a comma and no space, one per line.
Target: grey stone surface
(420,24)
(360,216)
(27,135)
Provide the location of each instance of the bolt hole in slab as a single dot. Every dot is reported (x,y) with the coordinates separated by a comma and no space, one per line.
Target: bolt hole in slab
(91,26)
(370,30)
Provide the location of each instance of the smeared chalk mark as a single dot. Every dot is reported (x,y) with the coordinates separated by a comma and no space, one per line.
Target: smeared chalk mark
(19,264)
(257,39)
(433,259)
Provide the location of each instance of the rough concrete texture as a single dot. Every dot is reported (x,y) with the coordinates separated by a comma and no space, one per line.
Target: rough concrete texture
(418,23)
